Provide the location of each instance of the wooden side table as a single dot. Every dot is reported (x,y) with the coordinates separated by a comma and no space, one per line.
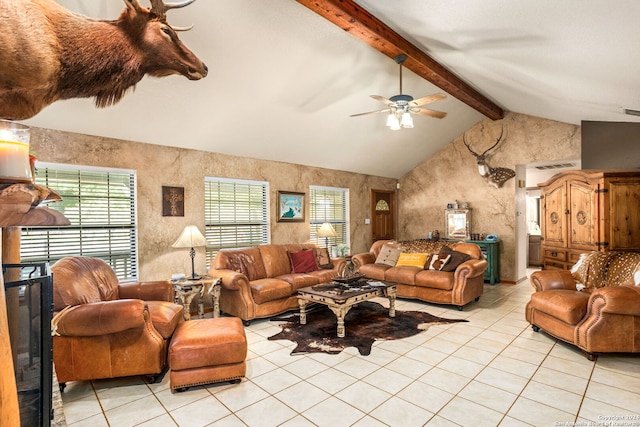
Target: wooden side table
(186,290)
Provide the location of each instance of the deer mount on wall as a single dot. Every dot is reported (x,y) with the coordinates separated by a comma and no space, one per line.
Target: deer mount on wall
(49,53)
(495,177)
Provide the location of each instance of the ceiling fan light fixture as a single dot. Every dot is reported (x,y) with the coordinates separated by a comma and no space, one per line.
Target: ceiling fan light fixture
(393,122)
(406,121)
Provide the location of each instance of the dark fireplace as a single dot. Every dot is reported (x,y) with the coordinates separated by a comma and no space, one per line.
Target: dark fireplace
(28,290)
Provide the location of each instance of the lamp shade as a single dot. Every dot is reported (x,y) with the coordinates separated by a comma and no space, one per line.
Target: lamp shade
(191,237)
(326,230)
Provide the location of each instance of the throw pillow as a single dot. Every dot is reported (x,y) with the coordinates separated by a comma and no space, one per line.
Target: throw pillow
(388,256)
(456,259)
(245,264)
(323,260)
(437,261)
(411,260)
(303,261)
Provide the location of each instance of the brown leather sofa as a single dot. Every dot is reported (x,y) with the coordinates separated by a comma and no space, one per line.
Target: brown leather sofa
(458,287)
(259,282)
(106,329)
(599,320)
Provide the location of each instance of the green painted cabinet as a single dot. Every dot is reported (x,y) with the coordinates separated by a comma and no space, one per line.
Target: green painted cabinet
(491,251)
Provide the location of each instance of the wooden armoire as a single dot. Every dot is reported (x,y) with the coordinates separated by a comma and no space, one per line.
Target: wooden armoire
(589,210)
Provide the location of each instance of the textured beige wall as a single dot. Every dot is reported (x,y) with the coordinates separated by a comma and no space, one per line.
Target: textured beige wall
(159,165)
(452,174)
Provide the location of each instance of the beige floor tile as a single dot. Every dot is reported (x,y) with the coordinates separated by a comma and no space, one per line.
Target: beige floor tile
(259,366)
(613,396)
(618,380)
(241,396)
(460,366)
(534,413)
(409,367)
(174,400)
(467,413)
(81,408)
(489,396)
(332,380)
(514,366)
(388,380)
(305,367)
(276,380)
(301,396)
(399,412)
(438,421)
(579,369)
(427,355)
(269,412)
(136,412)
(228,421)
(597,412)
(368,421)
(362,396)
(444,380)
(561,380)
(333,412)
(502,380)
(425,396)
(552,396)
(97,420)
(357,367)
(161,421)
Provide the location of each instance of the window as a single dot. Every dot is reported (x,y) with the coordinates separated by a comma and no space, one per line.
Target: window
(100,204)
(327,204)
(236,214)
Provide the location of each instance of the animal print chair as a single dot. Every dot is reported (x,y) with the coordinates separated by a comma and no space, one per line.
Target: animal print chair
(595,306)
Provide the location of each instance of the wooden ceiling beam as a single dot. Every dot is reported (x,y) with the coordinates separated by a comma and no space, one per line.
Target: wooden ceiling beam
(355,20)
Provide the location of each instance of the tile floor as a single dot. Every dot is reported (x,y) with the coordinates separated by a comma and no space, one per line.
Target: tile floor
(493,370)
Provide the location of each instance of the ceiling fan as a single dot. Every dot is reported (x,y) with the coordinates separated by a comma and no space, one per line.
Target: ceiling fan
(401,106)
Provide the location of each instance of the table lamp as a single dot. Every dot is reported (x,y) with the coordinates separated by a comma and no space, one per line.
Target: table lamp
(326,230)
(192,238)
(14,152)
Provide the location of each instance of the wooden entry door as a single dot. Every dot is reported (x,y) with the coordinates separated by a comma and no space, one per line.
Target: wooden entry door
(383,215)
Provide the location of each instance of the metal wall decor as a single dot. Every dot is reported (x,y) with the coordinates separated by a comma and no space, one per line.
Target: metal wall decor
(172,201)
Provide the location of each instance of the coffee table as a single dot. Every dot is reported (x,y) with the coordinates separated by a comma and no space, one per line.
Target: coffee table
(341,297)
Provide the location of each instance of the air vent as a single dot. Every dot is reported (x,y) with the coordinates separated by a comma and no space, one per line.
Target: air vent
(558,166)
(632,112)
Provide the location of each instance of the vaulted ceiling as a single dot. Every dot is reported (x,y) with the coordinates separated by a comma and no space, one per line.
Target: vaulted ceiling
(286,75)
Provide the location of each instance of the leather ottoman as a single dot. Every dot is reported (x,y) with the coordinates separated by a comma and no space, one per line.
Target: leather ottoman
(205,351)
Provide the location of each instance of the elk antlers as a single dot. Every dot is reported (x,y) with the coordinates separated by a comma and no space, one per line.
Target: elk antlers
(159,8)
(484,153)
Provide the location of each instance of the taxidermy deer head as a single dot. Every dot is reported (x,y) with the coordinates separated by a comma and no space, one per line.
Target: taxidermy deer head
(495,177)
(49,53)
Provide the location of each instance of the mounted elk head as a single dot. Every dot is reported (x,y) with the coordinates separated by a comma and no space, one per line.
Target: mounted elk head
(49,53)
(495,177)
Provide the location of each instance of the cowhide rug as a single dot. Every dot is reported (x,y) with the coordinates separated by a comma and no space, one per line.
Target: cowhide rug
(364,324)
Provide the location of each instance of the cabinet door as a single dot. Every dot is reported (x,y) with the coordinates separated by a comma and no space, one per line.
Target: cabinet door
(582,219)
(553,218)
(623,217)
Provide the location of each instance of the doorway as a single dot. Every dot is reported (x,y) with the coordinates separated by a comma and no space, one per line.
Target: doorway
(383,217)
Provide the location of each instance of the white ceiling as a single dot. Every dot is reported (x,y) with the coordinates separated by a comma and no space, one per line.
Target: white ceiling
(283,81)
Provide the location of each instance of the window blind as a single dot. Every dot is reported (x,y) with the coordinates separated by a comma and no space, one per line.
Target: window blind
(328,204)
(100,204)
(236,214)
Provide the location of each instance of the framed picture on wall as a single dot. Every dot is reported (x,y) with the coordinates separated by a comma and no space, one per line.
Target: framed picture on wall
(290,206)
(172,201)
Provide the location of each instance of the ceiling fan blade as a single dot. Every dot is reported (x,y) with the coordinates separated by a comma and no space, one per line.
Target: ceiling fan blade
(427,99)
(386,110)
(382,99)
(430,113)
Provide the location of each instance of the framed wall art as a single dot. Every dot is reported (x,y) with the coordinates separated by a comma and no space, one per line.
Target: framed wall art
(290,206)
(172,201)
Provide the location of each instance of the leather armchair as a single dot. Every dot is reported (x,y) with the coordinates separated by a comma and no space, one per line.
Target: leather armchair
(605,320)
(106,329)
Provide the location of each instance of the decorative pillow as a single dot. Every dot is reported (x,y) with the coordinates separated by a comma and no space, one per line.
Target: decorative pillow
(323,259)
(303,261)
(388,256)
(245,264)
(411,260)
(456,259)
(437,262)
